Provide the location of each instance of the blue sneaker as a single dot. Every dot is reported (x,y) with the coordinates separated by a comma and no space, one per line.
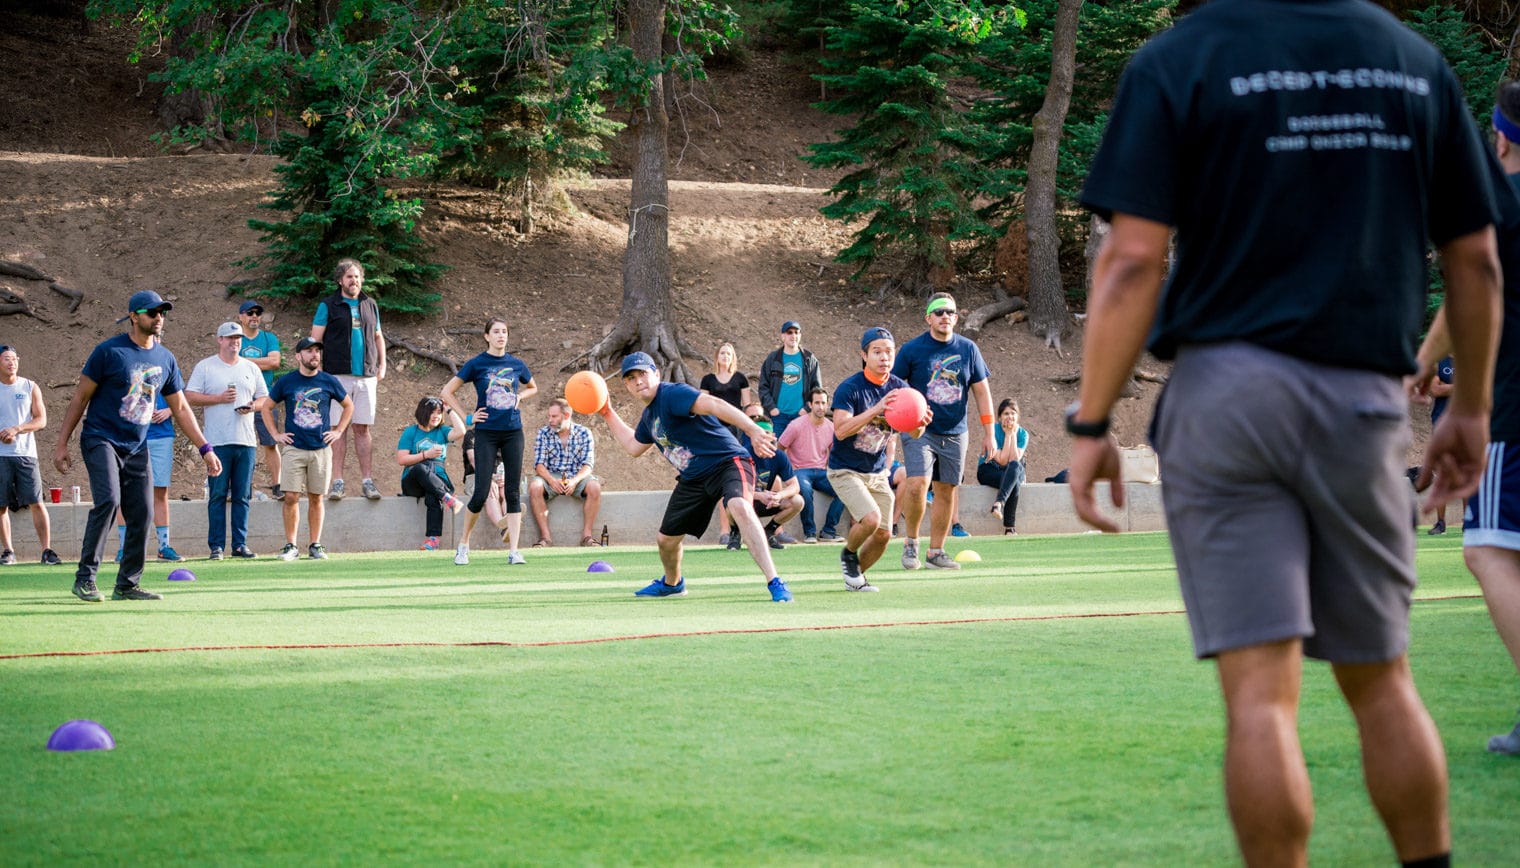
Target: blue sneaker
(167,553)
(658,588)
(957,530)
(779,593)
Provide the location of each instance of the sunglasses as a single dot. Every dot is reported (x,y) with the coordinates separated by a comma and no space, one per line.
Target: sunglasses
(945,311)
(155,313)
(254,311)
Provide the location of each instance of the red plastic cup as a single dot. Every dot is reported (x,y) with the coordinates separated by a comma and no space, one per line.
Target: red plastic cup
(56,494)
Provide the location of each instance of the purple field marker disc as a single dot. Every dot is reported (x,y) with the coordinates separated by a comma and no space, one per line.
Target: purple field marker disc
(600,567)
(182,575)
(81,735)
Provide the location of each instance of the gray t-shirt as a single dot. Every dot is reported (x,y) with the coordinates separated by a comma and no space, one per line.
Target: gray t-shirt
(224,426)
(16,409)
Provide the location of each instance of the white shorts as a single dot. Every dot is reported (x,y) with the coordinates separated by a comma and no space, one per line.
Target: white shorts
(364,392)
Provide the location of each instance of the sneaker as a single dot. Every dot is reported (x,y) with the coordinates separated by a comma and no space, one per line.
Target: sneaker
(429,544)
(50,558)
(779,593)
(1437,529)
(134,592)
(810,539)
(723,538)
(515,557)
(371,492)
(85,590)
(735,543)
(216,555)
(910,557)
(289,552)
(658,588)
(167,553)
(336,492)
(774,542)
(316,552)
(462,556)
(1008,531)
(7,557)
(1509,743)
(942,561)
(785,538)
(830,536)
(452,503)
(243,552)
(849,564)
(957,530)
(276,493)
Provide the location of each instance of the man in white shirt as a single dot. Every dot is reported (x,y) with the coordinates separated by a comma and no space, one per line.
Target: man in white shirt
(22,415)
(227,384)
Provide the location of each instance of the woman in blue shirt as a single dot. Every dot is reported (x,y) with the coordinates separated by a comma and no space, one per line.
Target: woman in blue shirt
(422,449)
(1005,470)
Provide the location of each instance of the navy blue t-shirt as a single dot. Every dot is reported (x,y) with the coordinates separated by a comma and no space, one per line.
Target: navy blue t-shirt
(307,403)
(128,379)
(864,451)
(768,470)
(1306,153)
(496,379)
(944,371)
(692,444)
(1504,424)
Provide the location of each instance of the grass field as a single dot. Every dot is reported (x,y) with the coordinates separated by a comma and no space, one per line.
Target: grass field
(1041,707)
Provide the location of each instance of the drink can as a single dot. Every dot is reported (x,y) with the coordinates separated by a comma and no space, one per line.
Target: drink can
(74,494)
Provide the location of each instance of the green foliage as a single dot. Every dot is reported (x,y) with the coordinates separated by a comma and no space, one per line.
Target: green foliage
(889,65)
(1478,63)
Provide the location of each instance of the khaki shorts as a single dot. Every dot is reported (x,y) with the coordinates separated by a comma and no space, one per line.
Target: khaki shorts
(363,390)
(863,493)
(305,471)
(578,491)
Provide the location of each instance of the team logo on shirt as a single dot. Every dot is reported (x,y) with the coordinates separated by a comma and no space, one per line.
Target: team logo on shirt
(500,394)
(308,408)
(945,380)
(137,404)
(791,374)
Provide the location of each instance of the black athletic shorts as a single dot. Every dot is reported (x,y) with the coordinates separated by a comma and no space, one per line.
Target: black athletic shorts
(691,505)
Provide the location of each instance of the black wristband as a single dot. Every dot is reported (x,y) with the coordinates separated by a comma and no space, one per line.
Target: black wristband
(1084,429)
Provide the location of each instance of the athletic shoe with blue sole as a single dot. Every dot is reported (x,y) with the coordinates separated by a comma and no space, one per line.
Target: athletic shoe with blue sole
(658,588)
(779,593)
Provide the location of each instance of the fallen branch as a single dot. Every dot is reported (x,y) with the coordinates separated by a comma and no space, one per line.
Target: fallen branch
(985,314)
(430,355)
(17,269)
(75,296)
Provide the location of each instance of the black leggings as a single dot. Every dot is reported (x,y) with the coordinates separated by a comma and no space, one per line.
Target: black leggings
(488,446)
(422,480)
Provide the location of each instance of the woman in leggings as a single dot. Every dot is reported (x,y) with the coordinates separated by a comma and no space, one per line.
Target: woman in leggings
(502,381)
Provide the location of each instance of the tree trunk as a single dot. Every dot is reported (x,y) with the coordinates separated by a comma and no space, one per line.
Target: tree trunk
(647,319)
(190,108)
(1048,315)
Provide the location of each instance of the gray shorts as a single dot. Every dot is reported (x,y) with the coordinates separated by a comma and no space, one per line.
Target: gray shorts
(1287,504)
(20,482)
(945,454)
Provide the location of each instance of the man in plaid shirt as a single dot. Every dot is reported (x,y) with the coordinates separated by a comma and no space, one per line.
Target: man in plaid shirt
(563,455)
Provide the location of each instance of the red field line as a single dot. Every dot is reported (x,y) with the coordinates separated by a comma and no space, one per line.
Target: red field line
(323,646)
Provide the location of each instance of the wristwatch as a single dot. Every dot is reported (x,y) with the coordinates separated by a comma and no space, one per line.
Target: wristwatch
(1084,429)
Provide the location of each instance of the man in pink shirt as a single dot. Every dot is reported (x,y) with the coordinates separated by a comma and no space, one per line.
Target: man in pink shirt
(807,441)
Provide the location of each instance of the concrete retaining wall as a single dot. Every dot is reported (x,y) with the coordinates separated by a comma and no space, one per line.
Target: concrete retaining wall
(632,517)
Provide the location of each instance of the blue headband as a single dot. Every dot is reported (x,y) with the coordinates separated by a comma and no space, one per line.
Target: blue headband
(1509,128)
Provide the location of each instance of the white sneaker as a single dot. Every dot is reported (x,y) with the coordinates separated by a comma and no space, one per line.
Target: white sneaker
(515,557)
(910,556)
(462,556)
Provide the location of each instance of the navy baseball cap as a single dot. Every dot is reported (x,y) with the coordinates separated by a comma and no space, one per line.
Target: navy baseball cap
(638,362)
(875,333)
(250,304)
(146,301)
(791,324)
(303,343)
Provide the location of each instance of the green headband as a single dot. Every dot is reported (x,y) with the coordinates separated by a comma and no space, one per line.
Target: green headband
(937,304)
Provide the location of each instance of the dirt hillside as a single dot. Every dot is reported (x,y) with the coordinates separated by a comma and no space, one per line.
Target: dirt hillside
(91,201)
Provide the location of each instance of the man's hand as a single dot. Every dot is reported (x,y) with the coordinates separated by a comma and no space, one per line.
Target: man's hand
(1455,456)
(8,435)
(330,435)
(1094,458)
(161,415)
(764,443)
(285,437)
(213,463)
(61,460)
